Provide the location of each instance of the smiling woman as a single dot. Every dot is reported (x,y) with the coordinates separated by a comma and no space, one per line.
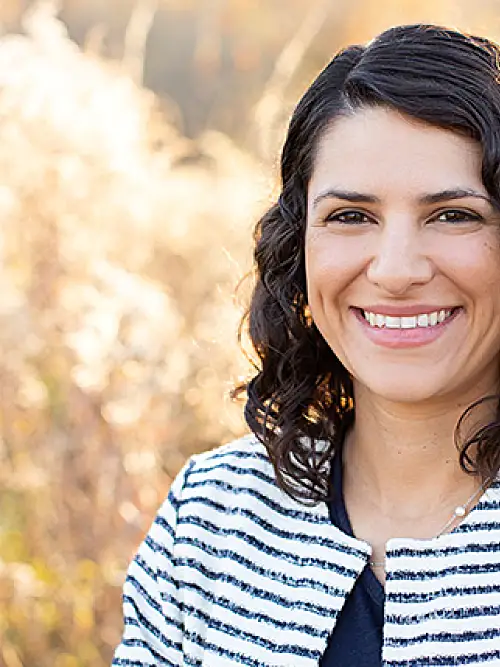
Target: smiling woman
(359,524)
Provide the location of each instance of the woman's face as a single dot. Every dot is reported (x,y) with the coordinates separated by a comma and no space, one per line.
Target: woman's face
(403,257)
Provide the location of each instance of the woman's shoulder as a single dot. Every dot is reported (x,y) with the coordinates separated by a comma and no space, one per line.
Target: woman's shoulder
(236,478)
(244,456)
(235,473)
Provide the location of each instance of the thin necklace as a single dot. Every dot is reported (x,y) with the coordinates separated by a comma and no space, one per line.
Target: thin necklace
(459,512)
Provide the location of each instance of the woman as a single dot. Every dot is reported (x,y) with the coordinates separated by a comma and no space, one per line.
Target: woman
(360,524)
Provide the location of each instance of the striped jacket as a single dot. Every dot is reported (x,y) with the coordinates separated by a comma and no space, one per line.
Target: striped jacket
(234,572)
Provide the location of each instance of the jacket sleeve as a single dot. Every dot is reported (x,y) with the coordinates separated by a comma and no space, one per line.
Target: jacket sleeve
(153,630)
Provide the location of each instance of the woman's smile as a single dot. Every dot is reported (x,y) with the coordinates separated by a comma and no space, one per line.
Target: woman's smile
(402,331)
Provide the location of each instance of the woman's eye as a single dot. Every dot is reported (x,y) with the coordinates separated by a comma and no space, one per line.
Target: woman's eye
(348,218)
(457,216)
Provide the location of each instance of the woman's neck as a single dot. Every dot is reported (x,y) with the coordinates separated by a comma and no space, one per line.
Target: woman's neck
(404,458)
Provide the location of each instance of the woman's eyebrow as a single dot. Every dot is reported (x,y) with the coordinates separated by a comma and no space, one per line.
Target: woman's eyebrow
(346,195)
(431,198)
(454,193)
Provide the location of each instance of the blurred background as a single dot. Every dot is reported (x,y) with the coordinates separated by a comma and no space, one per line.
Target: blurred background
(138,145)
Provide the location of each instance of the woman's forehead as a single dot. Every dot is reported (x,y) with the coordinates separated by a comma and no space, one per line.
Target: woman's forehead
(379,150)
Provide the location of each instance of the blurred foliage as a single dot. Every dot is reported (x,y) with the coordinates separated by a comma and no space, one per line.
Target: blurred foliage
(212,59)
(121,243)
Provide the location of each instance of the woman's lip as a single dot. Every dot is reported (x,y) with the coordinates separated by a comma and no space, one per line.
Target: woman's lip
(404,338)
(404,311)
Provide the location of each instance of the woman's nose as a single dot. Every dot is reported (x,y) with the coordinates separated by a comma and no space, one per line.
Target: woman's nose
(399,261)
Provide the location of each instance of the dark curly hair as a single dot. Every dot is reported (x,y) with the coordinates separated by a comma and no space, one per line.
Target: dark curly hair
(300,403)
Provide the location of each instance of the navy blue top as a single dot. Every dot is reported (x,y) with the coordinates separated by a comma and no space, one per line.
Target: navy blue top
(356,640)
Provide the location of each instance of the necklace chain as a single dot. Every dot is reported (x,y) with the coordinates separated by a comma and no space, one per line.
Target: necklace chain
(460,512)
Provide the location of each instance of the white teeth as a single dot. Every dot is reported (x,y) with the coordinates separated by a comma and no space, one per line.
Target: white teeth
(392,322)
(408,322)
(412,322)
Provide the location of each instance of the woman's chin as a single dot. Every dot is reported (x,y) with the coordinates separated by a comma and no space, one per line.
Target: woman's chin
(400,390)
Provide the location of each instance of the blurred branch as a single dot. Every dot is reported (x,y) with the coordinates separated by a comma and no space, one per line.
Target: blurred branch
(136,36)
(269,109)
(93,43)
(40,21)
(207,55)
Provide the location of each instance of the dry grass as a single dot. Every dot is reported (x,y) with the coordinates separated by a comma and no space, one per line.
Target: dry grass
(120,246)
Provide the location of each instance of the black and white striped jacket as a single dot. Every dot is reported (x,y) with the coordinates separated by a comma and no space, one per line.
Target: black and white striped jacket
(234,572)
